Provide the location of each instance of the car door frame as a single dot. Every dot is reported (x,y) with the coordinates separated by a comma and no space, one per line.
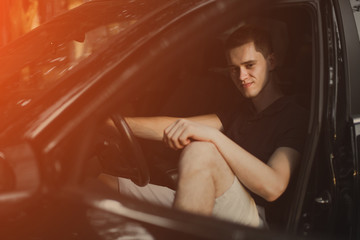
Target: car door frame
(350,39)
(340,130)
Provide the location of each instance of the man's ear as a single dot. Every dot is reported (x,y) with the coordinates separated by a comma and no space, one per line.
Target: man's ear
(271,59)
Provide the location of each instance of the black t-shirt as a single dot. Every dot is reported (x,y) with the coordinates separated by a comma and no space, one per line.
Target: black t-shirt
(282,124)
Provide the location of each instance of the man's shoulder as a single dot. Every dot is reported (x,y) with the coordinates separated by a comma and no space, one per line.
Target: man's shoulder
(293,105)
(292,113)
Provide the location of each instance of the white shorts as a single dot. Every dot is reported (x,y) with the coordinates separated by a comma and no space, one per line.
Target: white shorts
(235,205)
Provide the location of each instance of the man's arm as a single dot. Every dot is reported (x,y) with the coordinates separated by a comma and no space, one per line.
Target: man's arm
(266,180)
(153,127)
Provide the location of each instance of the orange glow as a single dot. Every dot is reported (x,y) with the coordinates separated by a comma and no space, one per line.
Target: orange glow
(18,17)
(74,3)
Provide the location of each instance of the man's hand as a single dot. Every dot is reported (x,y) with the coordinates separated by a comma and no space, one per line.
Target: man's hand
(183,131)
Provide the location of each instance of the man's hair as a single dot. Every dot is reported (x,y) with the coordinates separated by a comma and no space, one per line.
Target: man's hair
(250,33)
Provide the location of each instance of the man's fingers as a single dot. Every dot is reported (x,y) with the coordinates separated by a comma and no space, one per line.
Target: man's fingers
(174,138)
(180,138)
(172,135)
(169,133)
(184,137)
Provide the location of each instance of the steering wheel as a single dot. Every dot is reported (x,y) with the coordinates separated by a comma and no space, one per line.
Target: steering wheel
(139,169)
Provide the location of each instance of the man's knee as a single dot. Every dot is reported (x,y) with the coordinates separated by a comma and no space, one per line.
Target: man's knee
(199,156)
(202,160)
(200,148)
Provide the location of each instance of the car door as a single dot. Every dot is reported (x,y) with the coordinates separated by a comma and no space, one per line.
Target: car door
(350,35)
(343,116)
(332,196)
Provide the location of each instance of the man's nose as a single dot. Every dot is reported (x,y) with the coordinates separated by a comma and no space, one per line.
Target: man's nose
(243,74)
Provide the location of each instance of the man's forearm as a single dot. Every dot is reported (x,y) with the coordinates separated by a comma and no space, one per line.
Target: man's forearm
(149,127)
(153,127)
(266,181)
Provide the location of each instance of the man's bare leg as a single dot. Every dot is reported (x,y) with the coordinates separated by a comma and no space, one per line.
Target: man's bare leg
(203,176)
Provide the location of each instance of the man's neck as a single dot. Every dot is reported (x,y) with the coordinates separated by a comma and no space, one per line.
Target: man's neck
(267,96)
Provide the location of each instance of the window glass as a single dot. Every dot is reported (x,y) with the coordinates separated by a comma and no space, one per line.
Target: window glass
(40,60)
(42,67)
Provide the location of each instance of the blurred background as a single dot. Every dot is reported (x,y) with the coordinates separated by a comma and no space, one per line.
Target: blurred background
(20,16)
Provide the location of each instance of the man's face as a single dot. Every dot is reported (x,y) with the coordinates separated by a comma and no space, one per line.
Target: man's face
(249,69)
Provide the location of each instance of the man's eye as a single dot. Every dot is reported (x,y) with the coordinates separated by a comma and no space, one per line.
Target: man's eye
(250,65)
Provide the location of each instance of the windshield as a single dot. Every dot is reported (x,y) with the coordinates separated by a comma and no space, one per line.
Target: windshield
(38,61)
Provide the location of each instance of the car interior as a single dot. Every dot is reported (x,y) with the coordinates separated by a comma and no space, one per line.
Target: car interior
(190,82)
(195,84)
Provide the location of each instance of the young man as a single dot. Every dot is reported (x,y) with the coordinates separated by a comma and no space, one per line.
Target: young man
(231,158)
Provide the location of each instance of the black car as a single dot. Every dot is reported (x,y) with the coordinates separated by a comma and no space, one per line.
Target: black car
(109,58)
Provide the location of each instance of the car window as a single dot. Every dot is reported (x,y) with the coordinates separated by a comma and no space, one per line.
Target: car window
(356,9)
(38,61)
